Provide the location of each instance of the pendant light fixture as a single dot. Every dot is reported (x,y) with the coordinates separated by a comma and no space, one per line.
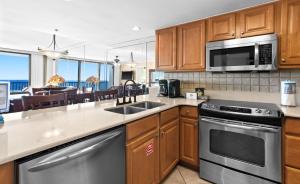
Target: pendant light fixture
(52,51)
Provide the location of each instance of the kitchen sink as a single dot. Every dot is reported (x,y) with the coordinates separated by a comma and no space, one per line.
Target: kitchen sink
(125,110)
(147,105)
(134,108)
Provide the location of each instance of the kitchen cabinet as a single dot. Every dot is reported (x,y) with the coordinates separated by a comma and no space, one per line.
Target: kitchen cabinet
(290,34)
(292,151)
(142,151)
(169,143)
(221,27)
(191,46)
(7,173)
(189,133)
(166,45)
(250,22)
(256,21)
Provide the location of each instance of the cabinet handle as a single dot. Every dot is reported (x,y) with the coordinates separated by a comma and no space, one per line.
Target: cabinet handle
(283,60)
(196,124)
(162,133)
(232,34)
(242,32)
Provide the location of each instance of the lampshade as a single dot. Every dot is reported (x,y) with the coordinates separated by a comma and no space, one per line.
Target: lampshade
(56,79)
(92,80)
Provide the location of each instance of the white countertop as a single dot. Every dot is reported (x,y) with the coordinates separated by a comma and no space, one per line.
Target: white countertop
(30,132)
(26,133)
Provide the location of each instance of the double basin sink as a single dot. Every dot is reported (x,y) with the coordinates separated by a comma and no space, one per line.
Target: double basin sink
(135,108)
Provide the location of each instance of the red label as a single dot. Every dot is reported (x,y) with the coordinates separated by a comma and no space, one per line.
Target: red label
(149,149)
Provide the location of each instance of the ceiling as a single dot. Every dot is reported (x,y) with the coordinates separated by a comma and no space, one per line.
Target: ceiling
(99,24)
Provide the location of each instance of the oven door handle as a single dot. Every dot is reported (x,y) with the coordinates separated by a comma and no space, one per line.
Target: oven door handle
(256,55)
(228,124)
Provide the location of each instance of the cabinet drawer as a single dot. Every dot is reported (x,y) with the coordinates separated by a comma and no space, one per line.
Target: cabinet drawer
(292,151)
(189,112)
(169,115)
(141,126)
(292,126)
(292,175)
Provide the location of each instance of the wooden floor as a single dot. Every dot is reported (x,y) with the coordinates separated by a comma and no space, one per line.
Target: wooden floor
(182,175)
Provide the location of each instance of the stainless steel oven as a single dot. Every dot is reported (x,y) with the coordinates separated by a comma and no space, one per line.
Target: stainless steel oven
(245,54)
(240,145)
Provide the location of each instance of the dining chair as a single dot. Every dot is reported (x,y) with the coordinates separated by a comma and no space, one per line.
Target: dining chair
(41,102)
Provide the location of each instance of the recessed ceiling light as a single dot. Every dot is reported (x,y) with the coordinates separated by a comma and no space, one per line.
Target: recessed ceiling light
(136,28)
(68,0)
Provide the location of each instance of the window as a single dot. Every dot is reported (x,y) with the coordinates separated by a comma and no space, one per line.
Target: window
(15,68)
(106,76)
(68,69)
(89,69)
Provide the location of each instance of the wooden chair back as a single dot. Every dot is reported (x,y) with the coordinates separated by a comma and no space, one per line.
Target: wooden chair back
(41,102)
(71,94)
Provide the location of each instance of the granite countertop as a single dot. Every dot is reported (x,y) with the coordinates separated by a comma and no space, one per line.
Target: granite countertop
(30,132)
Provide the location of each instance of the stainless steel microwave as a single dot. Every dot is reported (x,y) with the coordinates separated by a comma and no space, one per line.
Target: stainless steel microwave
(258,53)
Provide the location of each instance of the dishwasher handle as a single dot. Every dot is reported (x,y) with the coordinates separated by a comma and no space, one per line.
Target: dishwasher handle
(84,151)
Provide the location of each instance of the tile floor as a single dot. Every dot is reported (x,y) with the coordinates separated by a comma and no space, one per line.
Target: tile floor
(182,175)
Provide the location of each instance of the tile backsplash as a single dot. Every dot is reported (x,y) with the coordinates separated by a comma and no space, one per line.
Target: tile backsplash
(240,81)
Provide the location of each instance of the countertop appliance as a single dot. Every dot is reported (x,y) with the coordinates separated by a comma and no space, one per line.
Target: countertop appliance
(244,54)
(240,142)
(174,88)
(288,93)
(98,159)
(163,87)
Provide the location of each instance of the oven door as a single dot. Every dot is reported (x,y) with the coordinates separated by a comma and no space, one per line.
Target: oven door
(243,146)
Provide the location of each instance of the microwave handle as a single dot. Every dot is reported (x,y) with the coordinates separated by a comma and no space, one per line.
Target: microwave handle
(256,55)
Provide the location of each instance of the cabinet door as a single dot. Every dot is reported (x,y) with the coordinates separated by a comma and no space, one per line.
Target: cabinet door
(221,27)
(166,49)
(292,175)
(189,141)
(191,46)
(7,173)
(143,160)
(256,21)
(290,28)
(169,147)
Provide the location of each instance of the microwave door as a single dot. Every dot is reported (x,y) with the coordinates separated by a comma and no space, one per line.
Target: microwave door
(232,59)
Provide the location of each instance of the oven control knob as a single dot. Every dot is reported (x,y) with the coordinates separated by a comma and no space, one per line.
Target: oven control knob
(258,110)
(268,112)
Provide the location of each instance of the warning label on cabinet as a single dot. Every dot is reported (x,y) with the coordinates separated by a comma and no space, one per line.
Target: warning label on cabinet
(149,149)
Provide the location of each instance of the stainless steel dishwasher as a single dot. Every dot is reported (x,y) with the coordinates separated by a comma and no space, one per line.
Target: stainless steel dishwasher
(98,159)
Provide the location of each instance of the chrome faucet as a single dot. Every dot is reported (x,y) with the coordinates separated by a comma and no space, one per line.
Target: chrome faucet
(124,95)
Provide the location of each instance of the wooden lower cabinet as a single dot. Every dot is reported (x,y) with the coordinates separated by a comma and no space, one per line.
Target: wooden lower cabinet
(142,152)
(169,147)
(292,151)
(189,141)
(7,173)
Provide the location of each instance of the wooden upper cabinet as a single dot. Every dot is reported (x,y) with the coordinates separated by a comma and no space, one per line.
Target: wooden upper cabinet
(191,46)
(256,21)
(221,27)
(290,37)
(166,49)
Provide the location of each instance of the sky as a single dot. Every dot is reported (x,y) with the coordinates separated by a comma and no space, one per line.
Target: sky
(14,66)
